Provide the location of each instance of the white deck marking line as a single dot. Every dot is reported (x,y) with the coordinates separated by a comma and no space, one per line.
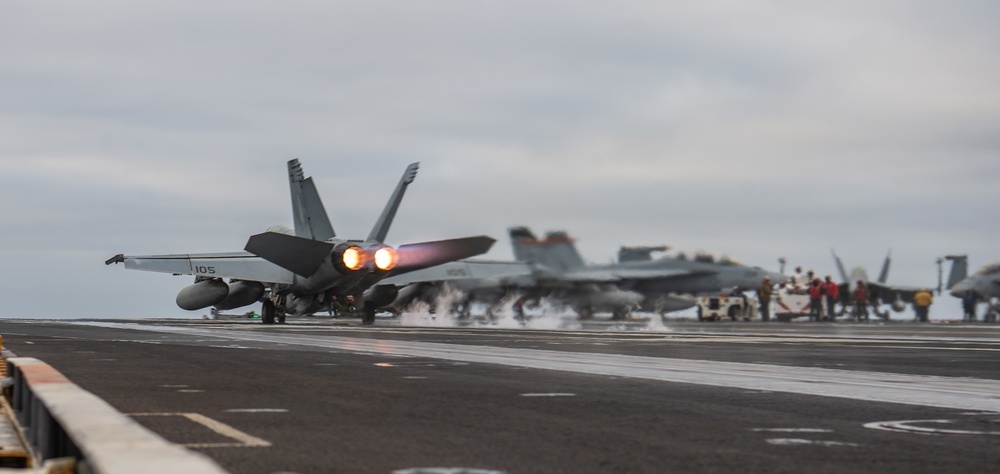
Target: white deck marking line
(793,430)
(908,427)
(935,391)
(227,431)
(809,442)
(257,410)
(548,394)
(243,440)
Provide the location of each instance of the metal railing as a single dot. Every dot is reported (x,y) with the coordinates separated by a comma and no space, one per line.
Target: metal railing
(61,420)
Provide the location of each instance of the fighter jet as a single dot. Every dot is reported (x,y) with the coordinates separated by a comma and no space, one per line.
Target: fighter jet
(553,269)
(879,291)
(303,271)
(985,282)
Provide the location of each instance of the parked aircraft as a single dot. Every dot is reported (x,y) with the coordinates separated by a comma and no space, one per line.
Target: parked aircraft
(879,291)
(552,268)
(305,270)
(985,281)
(532,278)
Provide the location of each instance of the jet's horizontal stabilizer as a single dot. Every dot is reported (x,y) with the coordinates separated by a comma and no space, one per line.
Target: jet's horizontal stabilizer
(299,255)
(428,254)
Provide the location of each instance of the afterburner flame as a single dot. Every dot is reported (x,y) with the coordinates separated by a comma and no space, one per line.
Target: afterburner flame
(354,258)
(385,258)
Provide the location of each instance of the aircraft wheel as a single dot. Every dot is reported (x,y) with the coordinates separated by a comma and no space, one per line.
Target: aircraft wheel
(734,313)
(701,315)
(267,312)
(281,317)
(369,315)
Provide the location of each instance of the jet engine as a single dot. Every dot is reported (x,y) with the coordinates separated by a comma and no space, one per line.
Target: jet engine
(203,294)
(348,258)
(380,295)
(241,293)
(384,257)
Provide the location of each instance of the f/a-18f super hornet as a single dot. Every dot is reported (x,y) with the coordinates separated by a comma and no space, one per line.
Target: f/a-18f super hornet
(306,271)
(663,284)
(879,291)
(984,283)
(553,269)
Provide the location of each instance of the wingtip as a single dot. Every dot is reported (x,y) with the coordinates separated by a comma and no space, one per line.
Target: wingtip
(411,172)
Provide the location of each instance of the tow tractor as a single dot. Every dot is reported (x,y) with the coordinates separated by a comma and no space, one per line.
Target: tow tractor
(714,308)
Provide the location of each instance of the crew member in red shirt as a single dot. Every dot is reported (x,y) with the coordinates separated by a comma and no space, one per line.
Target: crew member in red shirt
(861,301)
(832,292)
(815,300)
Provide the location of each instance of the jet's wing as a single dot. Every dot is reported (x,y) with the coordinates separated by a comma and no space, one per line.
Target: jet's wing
(500,272)
(238,265)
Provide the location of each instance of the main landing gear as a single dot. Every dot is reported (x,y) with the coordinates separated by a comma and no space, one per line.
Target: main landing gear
(368,318)
(271,313)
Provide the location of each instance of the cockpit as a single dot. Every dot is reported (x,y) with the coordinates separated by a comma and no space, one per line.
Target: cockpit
(990,269)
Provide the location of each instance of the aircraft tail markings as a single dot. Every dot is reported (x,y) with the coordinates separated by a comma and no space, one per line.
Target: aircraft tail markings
(557,251)
(381,227)
(523,242)
(561,252)
(308,213)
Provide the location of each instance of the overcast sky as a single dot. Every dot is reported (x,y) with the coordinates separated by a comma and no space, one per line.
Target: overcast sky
(755,129)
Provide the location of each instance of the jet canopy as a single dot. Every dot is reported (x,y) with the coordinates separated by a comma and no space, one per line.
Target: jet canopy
(990,269)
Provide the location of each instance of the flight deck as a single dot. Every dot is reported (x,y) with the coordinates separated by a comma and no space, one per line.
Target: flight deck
(316,395)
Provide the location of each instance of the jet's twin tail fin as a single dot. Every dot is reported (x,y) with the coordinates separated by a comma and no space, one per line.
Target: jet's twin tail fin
(308,213)
(381,227)
(524,243)
(557,251)
(840,268)
(959,269)
(561,252)
(883,276)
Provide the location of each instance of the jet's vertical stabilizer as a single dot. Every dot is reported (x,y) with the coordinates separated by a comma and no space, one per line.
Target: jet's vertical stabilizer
(840,268)
(557,251)
(525,244)
(561,252)
(311,221)
(883,276)
(959,269)
(381,227)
